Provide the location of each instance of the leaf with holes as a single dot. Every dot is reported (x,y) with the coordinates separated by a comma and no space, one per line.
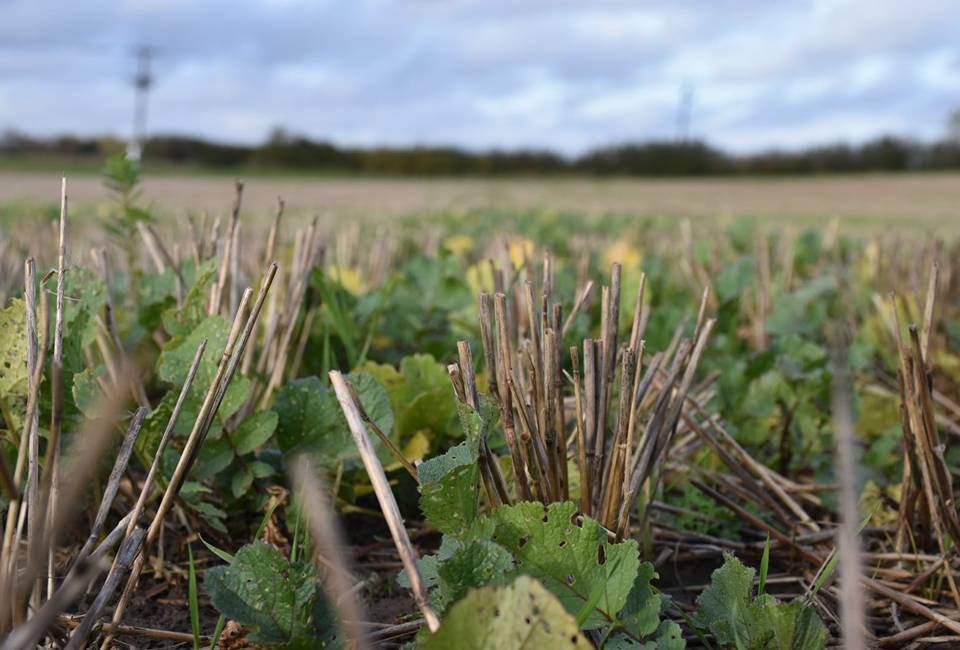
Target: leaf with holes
(573,560)
(263,590)
(13,350)
(522,615)
(449,487)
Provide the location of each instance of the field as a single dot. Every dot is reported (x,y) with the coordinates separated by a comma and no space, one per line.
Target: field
(479,414)
(916,201)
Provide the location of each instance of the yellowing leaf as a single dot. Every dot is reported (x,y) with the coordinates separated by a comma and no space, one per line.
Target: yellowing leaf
(522,615)
(13,350)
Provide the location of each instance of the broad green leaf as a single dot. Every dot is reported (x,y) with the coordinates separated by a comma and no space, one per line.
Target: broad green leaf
(449,488)
(13,350)
(574,560)
(796,626)
(254,431)
(449,483)
(215,456)
(85,294)
(803,310)
(641,614)
(181,321)
(727,607)
(241,482)
(86,389)
(177,355)
(153,427)
(476,564)
(310,418)
(668,636)
(420,394)
(522,615)
(261,469)
(263,590)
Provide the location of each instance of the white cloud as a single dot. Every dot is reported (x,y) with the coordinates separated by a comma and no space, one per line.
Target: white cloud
(558,74)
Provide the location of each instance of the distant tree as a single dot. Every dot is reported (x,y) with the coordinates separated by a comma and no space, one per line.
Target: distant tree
(953,127)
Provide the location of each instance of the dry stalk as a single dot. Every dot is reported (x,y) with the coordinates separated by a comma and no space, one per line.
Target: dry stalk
(388,502)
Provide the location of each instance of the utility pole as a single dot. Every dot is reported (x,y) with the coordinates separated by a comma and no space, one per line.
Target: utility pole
(142,81)
(685,113)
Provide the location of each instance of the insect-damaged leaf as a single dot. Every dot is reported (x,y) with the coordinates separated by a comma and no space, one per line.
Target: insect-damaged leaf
(13,350)
(449,486)
(573,560)
(522,615)
(262,589)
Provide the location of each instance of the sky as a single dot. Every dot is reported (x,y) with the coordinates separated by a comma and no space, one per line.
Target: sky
(547,74)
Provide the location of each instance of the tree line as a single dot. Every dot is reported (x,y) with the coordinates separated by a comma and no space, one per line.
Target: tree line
(670,158)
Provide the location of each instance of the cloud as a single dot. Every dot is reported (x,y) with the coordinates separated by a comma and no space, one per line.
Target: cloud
(543,73)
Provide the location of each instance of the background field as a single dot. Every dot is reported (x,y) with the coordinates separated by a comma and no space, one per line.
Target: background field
(918,202)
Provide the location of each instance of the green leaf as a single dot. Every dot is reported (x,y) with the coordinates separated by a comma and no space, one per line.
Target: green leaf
(668,636)
(574,560)
(241,482)
(263,590)
(261,469)
(449,488)
(449,483)
(764,567)
(86,294)
(153,427)
(254,431)
(310,418)
(641,614)
(177,355)
(476,564)
(210,513)
(420,394)
(182,321)
(796,626)
(737,619)
(194,600)
(522,615)
(86,389)
(219,552)
(727,607)
(803,310)
(215,456)
(13,350)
